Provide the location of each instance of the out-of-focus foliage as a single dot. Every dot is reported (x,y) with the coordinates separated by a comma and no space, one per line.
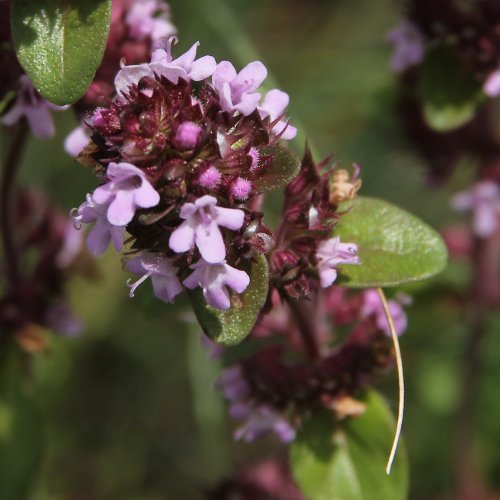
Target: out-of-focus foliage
(129,408)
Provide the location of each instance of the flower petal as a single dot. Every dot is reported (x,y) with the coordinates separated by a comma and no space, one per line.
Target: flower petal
(146,196)
(99,238)
(122,209)
(236,279)
(232,218)
(183,238)
(166,288)
(210,243)
(251,76)
(202,68)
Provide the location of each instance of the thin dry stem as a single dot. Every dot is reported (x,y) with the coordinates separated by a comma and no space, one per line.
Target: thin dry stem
(401,382)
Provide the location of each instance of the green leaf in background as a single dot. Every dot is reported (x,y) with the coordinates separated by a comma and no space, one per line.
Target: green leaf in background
(346,460)
(21,438)
(394,246)
(60,44)
(232,326)
(449,91)
(283,167)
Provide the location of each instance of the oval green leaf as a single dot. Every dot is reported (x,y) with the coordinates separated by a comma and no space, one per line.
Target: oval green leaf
(346,460)
(449,90)
(282,168)
(232,326)
(60,44)
(394,246)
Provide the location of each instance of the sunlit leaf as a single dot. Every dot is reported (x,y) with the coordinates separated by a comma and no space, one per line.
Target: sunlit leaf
(394,246)
(346,460)
(232,326)
(60,43)
(449,90)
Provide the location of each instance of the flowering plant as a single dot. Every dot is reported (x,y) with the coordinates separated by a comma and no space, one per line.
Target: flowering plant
(185,151)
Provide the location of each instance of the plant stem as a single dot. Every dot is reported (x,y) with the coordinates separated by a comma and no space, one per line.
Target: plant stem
(306,321)
(10,167)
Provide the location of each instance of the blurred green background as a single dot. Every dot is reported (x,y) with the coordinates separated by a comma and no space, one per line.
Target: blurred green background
(129,410)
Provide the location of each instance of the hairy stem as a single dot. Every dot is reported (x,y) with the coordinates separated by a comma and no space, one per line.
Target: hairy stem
(10,167)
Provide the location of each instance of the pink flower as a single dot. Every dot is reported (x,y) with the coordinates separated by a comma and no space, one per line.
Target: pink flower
(408,45)
(185,66)
(491,86)
(150,19)
(161,270)
(201,228)
(373,305)
(274,105)
(483,199)
(213,279)
(76,140)
(332,253)
(237,90)
(127,189)
(30,104)
(103,233)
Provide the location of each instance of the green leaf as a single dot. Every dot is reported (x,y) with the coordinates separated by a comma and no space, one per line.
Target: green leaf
(282,168)
(60,44)
(21,438)
(394,246)
(232,326)
(449,90)
(346,460)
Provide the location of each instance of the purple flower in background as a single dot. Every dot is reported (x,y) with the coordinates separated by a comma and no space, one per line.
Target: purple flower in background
(260,419)
(71,246)
(201,228)
(237,90)
(185,66)
(127,189)
(373,305)
(483,199)
(30,104)
(161,270)
(150,19)
(76,140)
(274,105)
(61,318)
(103,233)
(408,45)
(332,253)
(214,280)
(491,86)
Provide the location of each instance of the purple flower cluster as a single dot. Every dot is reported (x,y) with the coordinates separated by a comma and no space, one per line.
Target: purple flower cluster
(179,150)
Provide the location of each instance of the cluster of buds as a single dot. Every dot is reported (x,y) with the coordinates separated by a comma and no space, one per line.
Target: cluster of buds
(270,390)
(48,249)
(183,151)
